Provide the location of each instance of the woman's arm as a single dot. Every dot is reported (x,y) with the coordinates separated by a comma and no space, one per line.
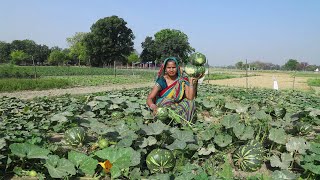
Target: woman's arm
(191,90)
(150,98)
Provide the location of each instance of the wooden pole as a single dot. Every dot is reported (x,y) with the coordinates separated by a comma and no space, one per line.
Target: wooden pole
(246,74)
(114,66)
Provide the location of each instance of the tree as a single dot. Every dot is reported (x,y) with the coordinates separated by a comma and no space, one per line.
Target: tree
(19,57)
(302,66)
(149,52)
(77,47)
(240,65)
(132,58)
(171,42)
(57,58)
(291,64)
(5,49)
(109,40)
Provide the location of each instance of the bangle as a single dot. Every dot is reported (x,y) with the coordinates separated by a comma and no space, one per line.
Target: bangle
(153,106)
(190,86)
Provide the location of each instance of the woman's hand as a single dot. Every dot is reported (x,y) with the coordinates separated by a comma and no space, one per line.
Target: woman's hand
(154,109)
(193,80)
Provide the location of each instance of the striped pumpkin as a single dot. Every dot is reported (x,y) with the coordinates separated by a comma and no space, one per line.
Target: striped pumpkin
(75,136)
(248,158)
(160,160)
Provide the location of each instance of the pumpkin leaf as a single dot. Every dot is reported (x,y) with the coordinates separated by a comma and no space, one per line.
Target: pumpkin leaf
(186,136)
(206,151)
(243,132)
(30,151)
(283,175)
(154,128)
(278,135)
(229,121)
(85,163)
(297,144)
(284,163)
(59,168)
(177,144)
(223,140)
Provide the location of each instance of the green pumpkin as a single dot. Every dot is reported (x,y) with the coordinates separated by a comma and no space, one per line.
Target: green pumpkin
(160,160)
(194,71)
(162,114)
(248,158)
(303,128)
(279,112)
(197,59)
(117,115)
(75,136)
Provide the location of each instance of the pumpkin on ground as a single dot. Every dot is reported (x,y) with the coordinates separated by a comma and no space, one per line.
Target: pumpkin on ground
(248,158)
(160,160)
(75,136)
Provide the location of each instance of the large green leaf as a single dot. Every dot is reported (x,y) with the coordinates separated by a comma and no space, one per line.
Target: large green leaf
(177,144)
(298,144)
(230,120)
(29,151)
(59,168)
(154,128)
(284,163)
(186,135)
(283,175)
(243,132)
(278,135)
(223,140)
(85,163)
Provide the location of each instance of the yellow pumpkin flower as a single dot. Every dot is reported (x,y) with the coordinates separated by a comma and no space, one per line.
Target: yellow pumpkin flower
(106,165)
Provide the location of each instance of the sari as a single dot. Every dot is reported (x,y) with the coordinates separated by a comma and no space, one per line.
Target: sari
(173,96)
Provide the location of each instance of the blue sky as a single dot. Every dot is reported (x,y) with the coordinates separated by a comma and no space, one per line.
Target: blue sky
(226,31)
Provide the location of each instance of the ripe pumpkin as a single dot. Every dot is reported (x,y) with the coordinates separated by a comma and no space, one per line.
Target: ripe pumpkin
(75,136)
(160,160)
(248,158)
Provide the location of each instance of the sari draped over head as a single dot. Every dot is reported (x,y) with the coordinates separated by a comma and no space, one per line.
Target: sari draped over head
(174,94)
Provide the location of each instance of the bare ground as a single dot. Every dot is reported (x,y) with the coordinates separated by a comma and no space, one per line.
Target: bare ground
(265,80)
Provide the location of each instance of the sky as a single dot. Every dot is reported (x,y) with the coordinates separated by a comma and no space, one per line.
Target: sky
(226,31)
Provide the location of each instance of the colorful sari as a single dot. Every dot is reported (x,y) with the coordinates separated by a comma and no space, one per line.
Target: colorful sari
(173,96)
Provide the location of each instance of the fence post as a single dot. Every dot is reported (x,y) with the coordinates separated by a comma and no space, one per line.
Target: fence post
(35,69)
(246,74)
(114,66)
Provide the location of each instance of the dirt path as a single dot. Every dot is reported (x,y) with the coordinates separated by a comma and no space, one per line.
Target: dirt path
(76,90)
(265,80)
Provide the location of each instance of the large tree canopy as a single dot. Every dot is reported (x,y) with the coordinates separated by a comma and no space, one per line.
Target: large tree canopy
(109,40)
(291,64)
(149,52)
(78,50)
(4,52)
(171,42)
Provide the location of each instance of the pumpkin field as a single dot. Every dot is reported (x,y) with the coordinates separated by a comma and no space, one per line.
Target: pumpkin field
(236,134)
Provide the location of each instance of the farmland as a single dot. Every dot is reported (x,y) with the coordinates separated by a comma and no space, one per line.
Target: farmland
(285,125)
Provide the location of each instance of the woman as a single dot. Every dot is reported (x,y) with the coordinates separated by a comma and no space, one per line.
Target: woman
(173,90)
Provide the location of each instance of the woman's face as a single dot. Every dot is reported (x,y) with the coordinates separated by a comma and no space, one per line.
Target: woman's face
(171,68)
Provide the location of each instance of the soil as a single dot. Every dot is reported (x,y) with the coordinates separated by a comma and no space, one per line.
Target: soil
(265,80)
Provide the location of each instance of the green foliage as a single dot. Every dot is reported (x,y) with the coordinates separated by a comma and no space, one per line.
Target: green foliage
(110,39)
(19,57)
(4,52)
(9,85)
(133,58)
(57,58)
(314,82)
(291,65)
(78,49)
(203,149)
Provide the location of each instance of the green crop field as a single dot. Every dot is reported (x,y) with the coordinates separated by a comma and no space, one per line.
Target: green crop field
(236,134)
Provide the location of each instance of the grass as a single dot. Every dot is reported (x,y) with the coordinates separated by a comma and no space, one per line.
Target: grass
(314,82)
(13,84)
